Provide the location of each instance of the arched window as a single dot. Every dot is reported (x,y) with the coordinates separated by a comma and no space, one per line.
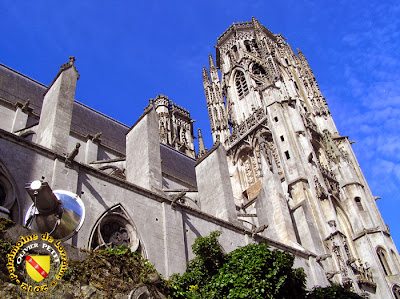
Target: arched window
(396,291)
(255,46)
(114,229)
(235,52)
(382,255)
(396,260)
(241,84)
(258,70)
(358,203)
(247,45)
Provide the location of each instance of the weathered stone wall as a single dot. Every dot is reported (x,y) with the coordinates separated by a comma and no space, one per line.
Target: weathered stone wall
(166,233)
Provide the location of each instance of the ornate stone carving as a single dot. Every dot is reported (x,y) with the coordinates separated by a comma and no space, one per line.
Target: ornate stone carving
(342,265)
(114,229)
(71,156)
(321,194)
(258,117)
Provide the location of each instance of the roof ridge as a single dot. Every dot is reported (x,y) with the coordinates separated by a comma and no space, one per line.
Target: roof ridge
(79,103)
(23,75)
(102,114)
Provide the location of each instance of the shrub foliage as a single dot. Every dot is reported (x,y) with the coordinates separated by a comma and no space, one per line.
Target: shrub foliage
(252,271)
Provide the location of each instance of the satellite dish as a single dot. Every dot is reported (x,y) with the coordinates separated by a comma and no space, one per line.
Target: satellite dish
(59,213)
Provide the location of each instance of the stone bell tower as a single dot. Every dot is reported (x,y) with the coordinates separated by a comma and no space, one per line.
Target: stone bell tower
(293,176)
(175,125)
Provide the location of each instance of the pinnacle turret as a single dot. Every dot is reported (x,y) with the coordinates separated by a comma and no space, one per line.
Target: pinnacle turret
(213,70)
(206,77)
(211,61)
(202,148)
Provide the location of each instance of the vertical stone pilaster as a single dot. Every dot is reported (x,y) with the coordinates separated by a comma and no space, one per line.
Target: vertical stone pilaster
(143,160)
(174,250)
(55,118)
(64,178)
(20,118)
(272,208)
(91,151)
(214,185)
(305,215)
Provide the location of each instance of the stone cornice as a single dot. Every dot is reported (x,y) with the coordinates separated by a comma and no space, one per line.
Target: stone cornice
(371,231)
(352,183)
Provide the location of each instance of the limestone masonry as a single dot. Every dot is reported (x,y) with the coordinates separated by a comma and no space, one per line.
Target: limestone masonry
(278,171)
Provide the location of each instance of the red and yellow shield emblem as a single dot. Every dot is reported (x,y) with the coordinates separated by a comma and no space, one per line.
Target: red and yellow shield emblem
(38,266)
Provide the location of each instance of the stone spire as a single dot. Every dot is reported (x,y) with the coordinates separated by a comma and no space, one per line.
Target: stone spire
(213,70)
(206,77)
(211,61)
(202,148)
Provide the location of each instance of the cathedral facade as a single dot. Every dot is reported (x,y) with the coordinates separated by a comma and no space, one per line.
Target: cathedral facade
(279,171)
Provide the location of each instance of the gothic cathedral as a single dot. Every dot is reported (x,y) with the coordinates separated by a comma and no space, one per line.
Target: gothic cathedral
(278,171)
(292,173)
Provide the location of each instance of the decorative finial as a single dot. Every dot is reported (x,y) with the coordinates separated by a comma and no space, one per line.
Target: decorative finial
(69,64)
(26,105)
(71,60)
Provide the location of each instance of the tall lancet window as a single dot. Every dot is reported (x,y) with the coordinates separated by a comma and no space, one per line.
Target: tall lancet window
(241,84)
(383,259)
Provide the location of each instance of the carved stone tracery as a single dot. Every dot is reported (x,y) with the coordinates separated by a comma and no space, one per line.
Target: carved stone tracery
(114,229)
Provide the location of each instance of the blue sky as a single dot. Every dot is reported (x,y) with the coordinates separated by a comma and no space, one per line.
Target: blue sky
(129,51)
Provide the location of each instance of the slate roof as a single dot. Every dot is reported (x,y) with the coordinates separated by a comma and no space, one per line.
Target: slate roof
(85,121)
(178,164)
(16,87)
